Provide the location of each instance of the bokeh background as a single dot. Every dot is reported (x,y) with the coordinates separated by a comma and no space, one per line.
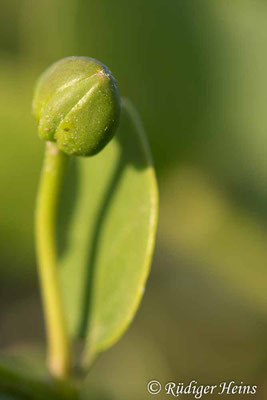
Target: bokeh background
(197,72)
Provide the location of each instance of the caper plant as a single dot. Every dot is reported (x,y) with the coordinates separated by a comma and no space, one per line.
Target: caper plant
(92,288)
(77,107)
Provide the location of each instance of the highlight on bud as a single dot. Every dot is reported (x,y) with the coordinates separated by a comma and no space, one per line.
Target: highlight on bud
(76,104)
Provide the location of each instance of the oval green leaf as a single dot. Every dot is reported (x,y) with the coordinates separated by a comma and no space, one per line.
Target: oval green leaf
(106,235)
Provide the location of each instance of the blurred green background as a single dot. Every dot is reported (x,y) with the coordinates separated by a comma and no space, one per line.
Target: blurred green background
(196,71)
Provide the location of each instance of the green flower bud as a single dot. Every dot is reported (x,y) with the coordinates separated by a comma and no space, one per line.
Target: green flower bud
(76,104)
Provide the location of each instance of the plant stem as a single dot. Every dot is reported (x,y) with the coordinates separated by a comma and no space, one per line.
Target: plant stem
(59,347)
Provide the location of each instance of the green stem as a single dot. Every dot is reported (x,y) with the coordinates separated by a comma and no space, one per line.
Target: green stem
(59,348)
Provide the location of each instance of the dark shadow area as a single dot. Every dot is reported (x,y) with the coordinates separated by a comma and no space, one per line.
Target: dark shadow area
(242,191)
(132,151)
(247,196)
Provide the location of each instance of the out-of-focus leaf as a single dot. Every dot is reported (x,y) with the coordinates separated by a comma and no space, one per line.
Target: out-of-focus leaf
(20,164)
(24,376)
(106,235)
(223,240)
